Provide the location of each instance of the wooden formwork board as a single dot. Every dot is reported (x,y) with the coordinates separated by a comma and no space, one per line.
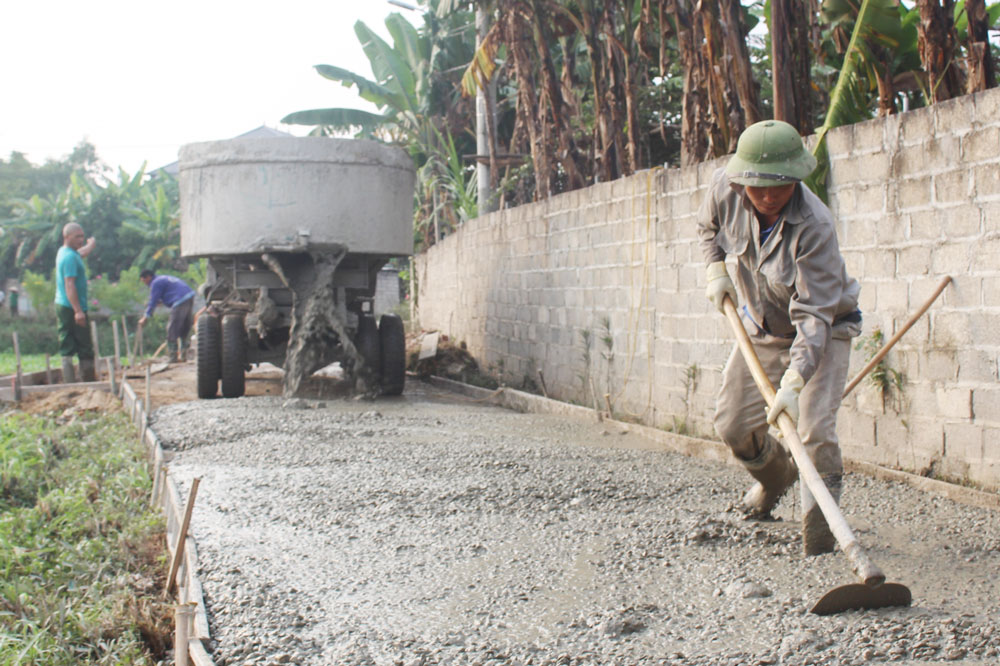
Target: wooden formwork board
(167,496)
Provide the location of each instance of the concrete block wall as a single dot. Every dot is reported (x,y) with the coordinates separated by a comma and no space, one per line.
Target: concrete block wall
(916,196)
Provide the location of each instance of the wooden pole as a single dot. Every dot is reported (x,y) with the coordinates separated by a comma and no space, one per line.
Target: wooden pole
(148,399)
(17,355)
(111,376)
(182,536)
(114,334)
(894,339)
(183,614)
(138,342)
(48,369)
(93,338)
(128,348)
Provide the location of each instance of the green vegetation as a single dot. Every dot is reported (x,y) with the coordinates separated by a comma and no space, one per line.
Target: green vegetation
(29,363)
(134,218)
(886,380)
(81,551)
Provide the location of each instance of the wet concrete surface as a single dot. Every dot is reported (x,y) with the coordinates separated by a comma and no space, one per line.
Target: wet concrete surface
(434,529)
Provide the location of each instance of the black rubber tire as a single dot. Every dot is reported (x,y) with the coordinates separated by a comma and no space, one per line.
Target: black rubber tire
(367,342)
(207,366)
(393,338)
(234,354)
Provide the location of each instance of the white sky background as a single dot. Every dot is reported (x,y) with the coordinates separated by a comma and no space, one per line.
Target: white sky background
(138,79)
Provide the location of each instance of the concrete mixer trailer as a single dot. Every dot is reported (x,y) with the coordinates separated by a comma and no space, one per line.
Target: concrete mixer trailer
(295,231)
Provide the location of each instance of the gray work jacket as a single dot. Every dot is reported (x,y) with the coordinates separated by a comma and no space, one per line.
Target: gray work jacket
(794,286)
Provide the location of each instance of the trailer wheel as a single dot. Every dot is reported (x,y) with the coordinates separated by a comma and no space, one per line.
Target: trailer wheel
(367,342)
(393,339)
(206,361)
(234,354)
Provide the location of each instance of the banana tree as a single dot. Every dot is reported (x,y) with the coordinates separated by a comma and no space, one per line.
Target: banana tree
(413,111)
(156,220)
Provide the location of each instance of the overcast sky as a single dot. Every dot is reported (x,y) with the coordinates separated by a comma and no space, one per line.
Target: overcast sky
(138,79)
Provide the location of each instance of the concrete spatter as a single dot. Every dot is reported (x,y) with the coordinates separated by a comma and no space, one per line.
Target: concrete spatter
(316,326)
(450,532)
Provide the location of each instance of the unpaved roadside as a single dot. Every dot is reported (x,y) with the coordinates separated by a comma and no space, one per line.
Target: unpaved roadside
(435,529)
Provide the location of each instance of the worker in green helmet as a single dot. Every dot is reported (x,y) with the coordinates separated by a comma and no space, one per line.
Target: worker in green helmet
(799,306)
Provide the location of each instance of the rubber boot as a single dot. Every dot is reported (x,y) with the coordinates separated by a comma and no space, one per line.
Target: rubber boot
(816,535)
(68,373)
(87,372)
(172,351)
(775,473)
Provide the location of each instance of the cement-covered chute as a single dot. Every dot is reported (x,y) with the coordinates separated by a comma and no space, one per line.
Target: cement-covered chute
(295,231)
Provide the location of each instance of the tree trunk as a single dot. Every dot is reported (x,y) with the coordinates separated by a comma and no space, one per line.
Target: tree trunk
(734,34)
(695,127)
(569,155)
(937,43)
(982,70)
(517,37)
(604,126)
(791,40)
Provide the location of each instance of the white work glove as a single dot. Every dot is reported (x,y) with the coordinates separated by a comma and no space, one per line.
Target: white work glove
(787,398)
(719,284)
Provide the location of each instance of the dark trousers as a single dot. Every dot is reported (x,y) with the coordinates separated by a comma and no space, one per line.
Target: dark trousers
(179,323)
(74,340)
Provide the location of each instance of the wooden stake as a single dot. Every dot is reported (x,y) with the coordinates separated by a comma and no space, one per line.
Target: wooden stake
(541,381)
(111,376)
(114,334)
(147,398)
(48,369)
(17,355)
(183,614)
(128,348)
(93,339)
(182,536)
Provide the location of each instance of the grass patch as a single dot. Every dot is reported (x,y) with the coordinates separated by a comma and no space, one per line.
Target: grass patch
(81,552)
(29,363)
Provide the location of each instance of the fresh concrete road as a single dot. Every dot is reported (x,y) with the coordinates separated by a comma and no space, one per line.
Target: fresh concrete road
(436,529)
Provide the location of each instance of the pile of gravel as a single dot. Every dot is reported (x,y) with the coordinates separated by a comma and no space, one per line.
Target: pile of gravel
(432,529)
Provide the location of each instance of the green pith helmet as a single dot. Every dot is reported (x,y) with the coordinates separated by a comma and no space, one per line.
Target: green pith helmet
(770,153)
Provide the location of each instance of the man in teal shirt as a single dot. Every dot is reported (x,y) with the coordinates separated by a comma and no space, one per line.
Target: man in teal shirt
(71,303)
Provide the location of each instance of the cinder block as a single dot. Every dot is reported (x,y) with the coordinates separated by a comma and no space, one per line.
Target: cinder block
(928,225)
(964,291)
(926,439)
(950,259)
(986,405)
(840,140)
(892,296)
(953,116)
(913,192)
(954,403)
(939,366)
(952,187)
(869,135)
(963,442)
(984,328)
(858,232)
(981,144)
(987,179)
(891,229)
(916,126)
(913,260)
(913,159)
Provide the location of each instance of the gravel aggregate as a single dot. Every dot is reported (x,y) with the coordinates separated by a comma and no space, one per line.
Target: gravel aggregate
(433,529)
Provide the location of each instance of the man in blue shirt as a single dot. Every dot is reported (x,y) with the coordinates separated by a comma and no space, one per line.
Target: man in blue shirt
(179,297)
(71,303)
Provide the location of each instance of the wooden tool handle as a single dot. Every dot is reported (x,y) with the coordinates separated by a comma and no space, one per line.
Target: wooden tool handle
(894,339)
(863,566)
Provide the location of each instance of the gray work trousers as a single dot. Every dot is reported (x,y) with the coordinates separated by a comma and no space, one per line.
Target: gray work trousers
(741,417)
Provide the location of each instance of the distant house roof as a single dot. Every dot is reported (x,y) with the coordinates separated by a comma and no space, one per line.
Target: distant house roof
(261,132)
